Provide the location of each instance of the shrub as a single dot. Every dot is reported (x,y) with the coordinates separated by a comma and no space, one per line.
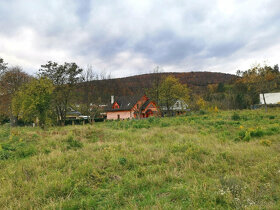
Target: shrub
(25,151)
(235,116)
(247,136)
(188,113)
(271,117)
(141,124)
(5,131)
(257,133)
(122,161)
(202,112)
(151,119)
(164,124)
(4,155)
(244,135)
(273,130)
(73,143)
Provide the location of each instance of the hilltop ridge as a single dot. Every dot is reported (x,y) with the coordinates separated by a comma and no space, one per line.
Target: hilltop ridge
(196,81)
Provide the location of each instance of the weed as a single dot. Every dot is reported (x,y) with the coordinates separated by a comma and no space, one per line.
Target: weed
(265,142)
(235,116)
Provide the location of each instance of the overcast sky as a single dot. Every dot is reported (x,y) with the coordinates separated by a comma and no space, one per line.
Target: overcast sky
(128,37)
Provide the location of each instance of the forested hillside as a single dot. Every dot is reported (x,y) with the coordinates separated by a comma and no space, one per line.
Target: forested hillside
(197,81)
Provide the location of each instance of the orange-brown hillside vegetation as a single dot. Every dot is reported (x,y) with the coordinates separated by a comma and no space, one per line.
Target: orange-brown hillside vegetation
(197,81)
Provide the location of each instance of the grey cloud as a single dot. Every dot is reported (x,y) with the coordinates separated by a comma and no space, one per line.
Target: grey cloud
(166,47)
(169,33)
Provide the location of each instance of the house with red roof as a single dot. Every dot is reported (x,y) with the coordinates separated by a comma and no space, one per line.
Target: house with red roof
(129,107)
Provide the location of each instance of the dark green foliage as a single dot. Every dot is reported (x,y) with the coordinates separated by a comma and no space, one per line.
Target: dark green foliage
(271,117)
(73,143)
(64,78)
(164,124)
(202,112)
(4,154)
(24,151)
(221,87)
(122,161)
(235,116)
(5,131)
(257,133)
(246,135)
(16,148)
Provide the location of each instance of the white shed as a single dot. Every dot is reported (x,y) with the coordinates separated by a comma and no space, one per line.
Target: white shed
(270,98)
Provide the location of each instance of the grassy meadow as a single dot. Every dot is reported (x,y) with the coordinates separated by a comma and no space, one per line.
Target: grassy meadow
(223,160)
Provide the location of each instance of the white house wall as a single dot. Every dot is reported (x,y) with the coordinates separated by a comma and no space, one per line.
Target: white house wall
(270,98)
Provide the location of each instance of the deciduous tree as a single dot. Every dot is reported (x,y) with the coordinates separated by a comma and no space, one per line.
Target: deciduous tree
(262,79)
(64,78)
(154,91)
(3,67)
(33,100)
(11,80)
(170,91)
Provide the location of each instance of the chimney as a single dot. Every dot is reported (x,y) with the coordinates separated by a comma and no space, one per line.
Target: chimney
(112,99)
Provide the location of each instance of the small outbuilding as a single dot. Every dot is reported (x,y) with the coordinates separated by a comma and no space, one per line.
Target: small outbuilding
(178,108)
(270,98)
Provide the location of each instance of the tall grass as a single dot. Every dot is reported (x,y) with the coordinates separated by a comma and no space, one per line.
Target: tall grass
(187,162)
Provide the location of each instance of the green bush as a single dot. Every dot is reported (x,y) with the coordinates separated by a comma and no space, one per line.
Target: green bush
(151,119)
(257,133)
(4,155)
(122,161)
(235,116)
(164,124)
(244,135)
(202,112)
(73,143)
(4,131)
(25,151)
(273,130)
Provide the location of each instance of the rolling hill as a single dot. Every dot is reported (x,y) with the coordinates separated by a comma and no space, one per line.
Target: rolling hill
(197,81)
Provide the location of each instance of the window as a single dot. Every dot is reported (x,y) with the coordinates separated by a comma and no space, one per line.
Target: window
(151,106)
(116,106)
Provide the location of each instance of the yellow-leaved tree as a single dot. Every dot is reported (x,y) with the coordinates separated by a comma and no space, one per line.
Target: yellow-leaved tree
(262,79)
(33,100)
(170,91)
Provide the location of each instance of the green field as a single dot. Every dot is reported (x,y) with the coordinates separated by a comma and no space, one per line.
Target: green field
(200,161)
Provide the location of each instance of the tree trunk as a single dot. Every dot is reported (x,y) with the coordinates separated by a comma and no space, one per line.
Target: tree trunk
(264,102)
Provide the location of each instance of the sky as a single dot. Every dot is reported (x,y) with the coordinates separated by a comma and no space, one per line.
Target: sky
(129,37)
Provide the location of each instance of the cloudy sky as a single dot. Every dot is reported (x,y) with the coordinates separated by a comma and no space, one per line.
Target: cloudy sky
(128,37)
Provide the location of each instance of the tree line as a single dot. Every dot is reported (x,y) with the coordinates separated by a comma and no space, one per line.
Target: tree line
(241,93)
(46,97)
(245,90)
